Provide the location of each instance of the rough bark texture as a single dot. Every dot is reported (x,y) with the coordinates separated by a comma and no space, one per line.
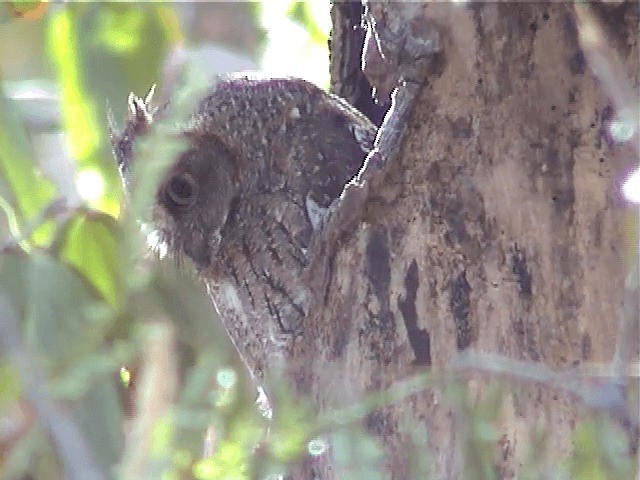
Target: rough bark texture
(498,228)
(346,45)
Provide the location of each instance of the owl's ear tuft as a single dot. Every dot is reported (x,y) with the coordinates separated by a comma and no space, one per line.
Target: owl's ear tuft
(139,120)
(140,111)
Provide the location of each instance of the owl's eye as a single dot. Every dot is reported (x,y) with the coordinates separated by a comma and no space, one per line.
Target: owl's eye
(182,190)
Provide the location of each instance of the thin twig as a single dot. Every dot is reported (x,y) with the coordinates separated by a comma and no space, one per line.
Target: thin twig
(57,208)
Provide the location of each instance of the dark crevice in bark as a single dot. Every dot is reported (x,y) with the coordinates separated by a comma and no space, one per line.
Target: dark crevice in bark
(378,266)
(520,269)
(345,46)
(418,338)
(460,303)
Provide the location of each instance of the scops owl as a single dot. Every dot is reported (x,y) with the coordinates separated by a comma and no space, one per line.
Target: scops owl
(266,157)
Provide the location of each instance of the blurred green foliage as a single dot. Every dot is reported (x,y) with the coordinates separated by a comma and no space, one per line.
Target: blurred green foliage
(90,301)
(601,452)
(29,191)
(78,274)
(83,311)
(304,14)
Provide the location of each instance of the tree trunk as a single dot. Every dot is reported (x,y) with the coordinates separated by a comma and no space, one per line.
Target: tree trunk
(499,229)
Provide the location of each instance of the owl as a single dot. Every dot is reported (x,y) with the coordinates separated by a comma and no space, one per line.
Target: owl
(265,159)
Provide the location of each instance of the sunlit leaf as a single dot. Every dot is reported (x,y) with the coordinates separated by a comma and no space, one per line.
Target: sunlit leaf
(83,122)
(304,14)
(601,451)
(125,377)
(182,459)
(297,30)
(30,190)
(229,461)
(297,12)
(120,30)
(101,53)
(162,438)
(171,23)
(78,113)
(10,386)
(89,244)
(586,462)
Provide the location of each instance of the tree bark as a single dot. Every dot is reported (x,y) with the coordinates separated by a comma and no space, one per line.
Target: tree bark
(499,228)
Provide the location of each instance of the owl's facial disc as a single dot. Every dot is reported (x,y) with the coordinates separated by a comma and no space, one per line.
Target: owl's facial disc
(193,202)
(179,221)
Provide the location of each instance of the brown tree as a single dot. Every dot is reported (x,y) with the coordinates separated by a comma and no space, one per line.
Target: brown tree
(498,229)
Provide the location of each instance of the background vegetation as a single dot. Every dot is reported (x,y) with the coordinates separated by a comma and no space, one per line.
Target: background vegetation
(112,362)
(100,339)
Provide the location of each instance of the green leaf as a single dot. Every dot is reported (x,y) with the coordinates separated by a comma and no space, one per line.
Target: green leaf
(230,461)
(54,312)
(587,460)
(358,453)
(13,279)
(183,297)
(291,425)
(88,243)
(53,304)
(10,386)
(120,30)
(75,381)
(30,191)
(104,51)
(30,453)
(83,120)
(303,13)
(601,451)
(78,111)
(99,414)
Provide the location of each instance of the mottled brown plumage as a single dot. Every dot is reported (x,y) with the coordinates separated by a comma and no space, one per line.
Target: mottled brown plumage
(245,201)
